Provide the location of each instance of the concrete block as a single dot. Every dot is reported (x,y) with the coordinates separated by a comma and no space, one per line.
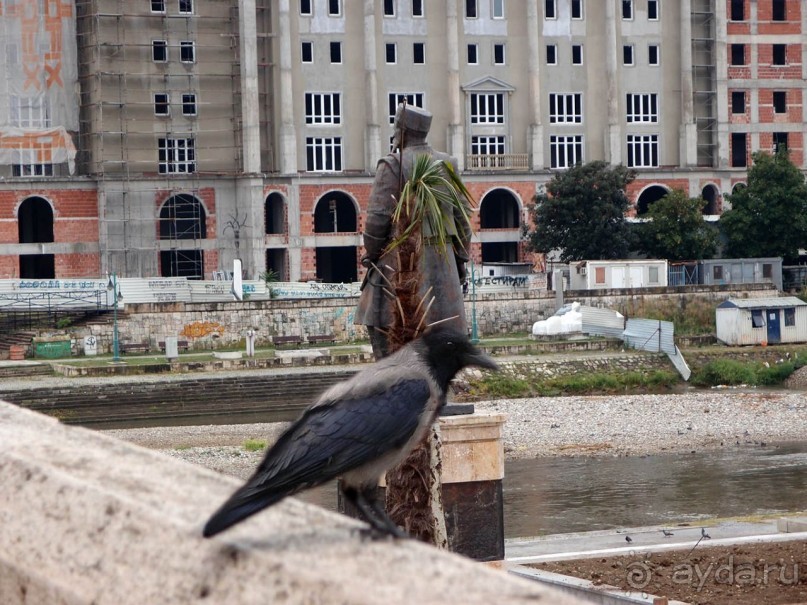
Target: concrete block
(85,518)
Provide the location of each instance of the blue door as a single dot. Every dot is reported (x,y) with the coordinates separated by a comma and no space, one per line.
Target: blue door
(774,333)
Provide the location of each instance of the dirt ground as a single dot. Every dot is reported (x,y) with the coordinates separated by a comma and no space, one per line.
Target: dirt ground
(753,574)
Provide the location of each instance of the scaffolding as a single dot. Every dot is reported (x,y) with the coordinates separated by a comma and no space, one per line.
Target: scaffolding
(704,75)
(158,133)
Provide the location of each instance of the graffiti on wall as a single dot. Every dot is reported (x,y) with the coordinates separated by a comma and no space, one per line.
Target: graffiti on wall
(200,329)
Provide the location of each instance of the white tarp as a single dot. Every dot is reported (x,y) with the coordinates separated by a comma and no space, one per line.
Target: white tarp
(566,320)
(39,82)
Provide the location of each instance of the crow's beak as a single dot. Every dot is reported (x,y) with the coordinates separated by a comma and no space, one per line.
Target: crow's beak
(482,360)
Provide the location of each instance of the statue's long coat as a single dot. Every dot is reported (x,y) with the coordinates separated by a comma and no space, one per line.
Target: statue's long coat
(439,268)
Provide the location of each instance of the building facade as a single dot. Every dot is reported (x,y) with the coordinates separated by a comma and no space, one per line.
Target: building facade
(169,137)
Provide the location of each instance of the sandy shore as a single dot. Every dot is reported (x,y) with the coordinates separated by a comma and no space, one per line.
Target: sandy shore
(630,425)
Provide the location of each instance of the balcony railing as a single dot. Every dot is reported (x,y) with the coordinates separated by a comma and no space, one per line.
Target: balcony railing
(505,161)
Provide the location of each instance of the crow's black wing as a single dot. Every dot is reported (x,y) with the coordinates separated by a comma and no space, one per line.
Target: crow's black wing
(330,439)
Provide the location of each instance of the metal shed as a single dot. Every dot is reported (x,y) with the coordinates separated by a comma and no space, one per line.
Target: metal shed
(751,321)
(719,271)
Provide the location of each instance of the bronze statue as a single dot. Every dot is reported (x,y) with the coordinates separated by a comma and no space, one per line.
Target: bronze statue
(442,266)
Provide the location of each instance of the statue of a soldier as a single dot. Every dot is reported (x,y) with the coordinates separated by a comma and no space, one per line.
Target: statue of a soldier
(442,266)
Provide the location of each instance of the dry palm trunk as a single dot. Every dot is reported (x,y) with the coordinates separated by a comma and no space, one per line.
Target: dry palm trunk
(413,498)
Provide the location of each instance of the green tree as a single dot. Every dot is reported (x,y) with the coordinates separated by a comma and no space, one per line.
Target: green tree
(677,230)
(769,216)
(582,213)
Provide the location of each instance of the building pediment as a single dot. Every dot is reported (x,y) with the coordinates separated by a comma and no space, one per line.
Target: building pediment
(488,84)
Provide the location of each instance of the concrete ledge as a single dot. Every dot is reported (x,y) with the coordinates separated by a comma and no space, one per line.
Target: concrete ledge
(85,518)
(792,524)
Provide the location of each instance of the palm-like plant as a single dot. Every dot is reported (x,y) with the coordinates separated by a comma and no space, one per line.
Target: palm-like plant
(427,203)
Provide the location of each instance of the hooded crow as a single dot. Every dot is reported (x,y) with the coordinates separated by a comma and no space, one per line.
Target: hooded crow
(358,429)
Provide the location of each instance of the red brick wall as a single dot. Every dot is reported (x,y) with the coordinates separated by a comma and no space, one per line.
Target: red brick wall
(75,220)
(77,265)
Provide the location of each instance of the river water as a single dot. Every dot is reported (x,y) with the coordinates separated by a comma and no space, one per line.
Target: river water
(561,495)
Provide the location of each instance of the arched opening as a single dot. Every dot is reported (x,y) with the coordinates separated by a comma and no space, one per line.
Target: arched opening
(335,213)
(499,210)
(337,264)
(275,215)
(737,187)
(650,195)
(711,196)
(182,217)
(35,226)
(35,221)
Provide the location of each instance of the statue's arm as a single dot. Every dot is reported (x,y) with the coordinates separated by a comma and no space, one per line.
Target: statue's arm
(380,208)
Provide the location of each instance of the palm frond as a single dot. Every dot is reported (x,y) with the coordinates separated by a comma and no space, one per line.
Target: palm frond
(432,187)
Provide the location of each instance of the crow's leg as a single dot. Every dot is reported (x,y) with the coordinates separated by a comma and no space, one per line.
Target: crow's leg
(371,511)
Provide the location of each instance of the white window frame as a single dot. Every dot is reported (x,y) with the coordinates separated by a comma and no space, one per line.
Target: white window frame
(580,46)
(643,151)
(310,45)
(22,169)
(641,108)
(188,7)
(394,99)
(29,112)
(488,145)
(629,5)
(632,61)
(475,48)
(497,9)
(565,150)
(658,55)
(176,155)
(658,10)
(504,53)
(487,108)
(414,46)
(582,6)
(566,108)
(555,47)
(475,5)
(323,108)
(324,153)
(189,99)
(550,6)
(184,45)
(158,4)
(330,52)
(418,4)
(394,47)
(392,5)
(164,101)
(163,44)
(309,5)
(338,5)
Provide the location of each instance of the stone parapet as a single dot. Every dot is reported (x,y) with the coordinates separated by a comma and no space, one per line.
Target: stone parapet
(85,518)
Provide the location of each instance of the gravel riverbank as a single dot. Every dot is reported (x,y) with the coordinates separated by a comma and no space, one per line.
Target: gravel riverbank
(630,425)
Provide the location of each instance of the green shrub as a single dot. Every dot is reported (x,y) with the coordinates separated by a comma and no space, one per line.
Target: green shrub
(777,373)
(254,445)
(724,371)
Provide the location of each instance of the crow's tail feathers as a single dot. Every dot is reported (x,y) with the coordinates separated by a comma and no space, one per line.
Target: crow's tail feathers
(245,502)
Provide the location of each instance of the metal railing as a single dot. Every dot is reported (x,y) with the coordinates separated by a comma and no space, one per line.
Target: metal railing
(506,161)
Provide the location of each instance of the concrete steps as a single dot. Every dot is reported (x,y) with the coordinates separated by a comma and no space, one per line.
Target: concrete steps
(26,370)
(283,396)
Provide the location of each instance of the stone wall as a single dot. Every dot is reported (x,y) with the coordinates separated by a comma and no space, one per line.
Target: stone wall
(85,518)
(215,325)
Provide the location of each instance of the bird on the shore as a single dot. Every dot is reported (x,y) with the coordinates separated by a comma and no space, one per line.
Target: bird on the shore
(704,534)
(628,539)
(667,533)
(358,429)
